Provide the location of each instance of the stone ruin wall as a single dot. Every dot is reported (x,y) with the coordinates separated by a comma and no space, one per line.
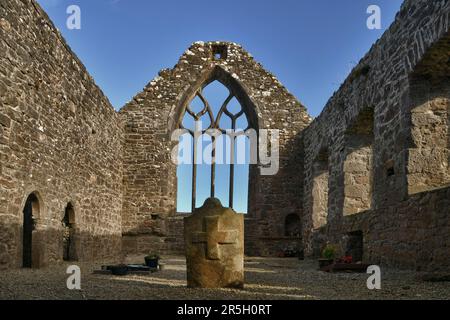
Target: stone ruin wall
(402,87)
(150,219)
(374,163)
(59,138)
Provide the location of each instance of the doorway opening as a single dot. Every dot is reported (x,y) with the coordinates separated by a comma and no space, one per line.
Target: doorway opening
(30,213)
(355,246)
(68,234)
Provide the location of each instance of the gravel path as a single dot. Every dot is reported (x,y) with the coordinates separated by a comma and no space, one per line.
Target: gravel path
(266,278)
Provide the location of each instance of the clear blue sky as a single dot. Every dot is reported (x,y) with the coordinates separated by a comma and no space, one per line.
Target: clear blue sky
(215,94)
(310,45)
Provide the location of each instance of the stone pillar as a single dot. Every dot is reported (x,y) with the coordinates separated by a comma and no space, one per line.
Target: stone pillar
(214,241)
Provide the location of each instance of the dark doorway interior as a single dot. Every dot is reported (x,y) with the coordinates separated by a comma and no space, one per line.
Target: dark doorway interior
(355,245)
(31,204)
(68,236)
(292,226)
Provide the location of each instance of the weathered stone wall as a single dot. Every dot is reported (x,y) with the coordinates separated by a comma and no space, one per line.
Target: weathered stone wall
(373,167)
(319,192)
(404,79)
(358,165)
(358,181)
(59,138)
(428,163)
(150,177)
(414,234)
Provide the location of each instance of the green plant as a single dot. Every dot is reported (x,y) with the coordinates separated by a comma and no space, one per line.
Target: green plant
(153,256)
(329,252)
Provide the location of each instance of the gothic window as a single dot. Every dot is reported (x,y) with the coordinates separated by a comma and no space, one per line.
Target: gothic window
(219,159)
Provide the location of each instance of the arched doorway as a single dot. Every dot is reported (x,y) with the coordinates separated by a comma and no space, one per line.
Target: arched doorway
(68,234)
(30,213)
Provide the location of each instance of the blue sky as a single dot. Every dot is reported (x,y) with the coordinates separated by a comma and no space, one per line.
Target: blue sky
(310,45)
(215,94)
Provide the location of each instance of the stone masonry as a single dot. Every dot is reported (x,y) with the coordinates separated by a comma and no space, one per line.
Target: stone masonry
(60,139)
(150,177)
(386,135)
(370,174)
(214,241)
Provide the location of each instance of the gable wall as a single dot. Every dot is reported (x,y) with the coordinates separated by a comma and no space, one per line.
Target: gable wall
(150,177)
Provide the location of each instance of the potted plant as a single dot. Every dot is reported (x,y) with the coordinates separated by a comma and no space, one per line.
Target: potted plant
(152,260)
(328,256)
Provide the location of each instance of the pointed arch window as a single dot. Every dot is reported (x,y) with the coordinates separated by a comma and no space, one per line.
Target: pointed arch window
(217,168)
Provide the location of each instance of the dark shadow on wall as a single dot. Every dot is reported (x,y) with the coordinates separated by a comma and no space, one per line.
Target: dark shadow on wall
(47,246)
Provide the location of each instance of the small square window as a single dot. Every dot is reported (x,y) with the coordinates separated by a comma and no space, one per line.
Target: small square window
(390,172)
(219,52)
(390,168)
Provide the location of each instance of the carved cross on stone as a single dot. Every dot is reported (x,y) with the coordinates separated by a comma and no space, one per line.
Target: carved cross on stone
(214,244)
(213,237)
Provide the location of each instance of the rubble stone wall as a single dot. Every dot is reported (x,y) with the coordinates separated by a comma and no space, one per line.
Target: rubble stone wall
(373,168)
(397,198)
(60,139)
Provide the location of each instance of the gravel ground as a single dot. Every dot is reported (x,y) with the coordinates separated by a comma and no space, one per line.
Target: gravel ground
(266,278)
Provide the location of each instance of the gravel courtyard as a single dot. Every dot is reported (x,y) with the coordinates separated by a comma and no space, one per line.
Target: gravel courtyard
(266,278)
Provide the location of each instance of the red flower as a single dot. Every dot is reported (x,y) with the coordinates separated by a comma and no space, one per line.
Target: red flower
(348,259)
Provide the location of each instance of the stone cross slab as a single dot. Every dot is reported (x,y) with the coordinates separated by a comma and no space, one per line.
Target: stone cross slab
(214,242)
(213,237)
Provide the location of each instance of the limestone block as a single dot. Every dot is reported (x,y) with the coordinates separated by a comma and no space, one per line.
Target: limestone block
(214,241)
